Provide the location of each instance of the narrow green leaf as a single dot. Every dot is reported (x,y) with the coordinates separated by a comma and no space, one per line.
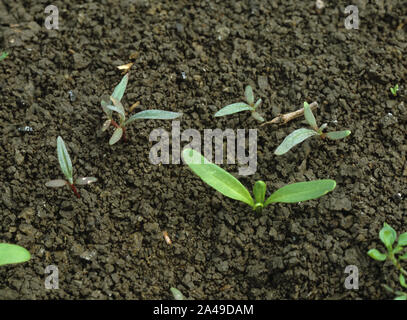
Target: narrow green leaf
(387,235)
(403,257)
(259,191)
(257,104)
(106,125)
(248,93)
(154,115)
(64,159)
(56,183)
(336,135)
(377,255)
(293,139)
(177,294)
(104,103)
(120,88)
(322,127)
(257,116)
(216,177)
(118,107)
(309,116)
(402,281)
(233,108)
(117,134)
(402,239)
(12,253)
(301,191)
(3,55)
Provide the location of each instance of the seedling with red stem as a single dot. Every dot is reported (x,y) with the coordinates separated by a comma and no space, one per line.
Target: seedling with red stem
(66,167)
(112,103)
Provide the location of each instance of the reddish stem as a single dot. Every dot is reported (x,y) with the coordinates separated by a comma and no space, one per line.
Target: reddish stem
(74,190)
(114,123)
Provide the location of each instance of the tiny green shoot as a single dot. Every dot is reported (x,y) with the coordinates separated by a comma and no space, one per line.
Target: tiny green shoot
(113,103)
(243,106)
(394,253)
(299,135)
(394,90)
(228,185)
(177,294)
(66,167)
(12,253)
(3,55)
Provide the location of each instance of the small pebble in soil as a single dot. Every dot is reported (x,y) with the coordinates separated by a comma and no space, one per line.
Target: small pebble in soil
(25,129)
(72,96)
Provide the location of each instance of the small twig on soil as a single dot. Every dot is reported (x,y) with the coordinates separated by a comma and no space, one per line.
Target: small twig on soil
(284,118)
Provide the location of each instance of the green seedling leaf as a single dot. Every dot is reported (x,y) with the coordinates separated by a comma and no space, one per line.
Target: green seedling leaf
(104,103)
(377,255)
(258,103)
(120,88)
(64,159)
(336,135)
(177,294)
(56,183)
(402,281)
(118,107)
(117,134)
(85,180)
(12,253)
(394,90)
(154,115)
(402,239)
(3,55)
(233,108)
(301,191)
(403,257)
(309,116)
(106,125)
(293,139)
(248,93)
(259,191)
(257,116)
(216,177)
(387,235)
(401,298)
(322,127)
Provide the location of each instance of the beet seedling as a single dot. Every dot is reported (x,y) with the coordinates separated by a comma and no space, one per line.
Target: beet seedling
(394,253)
(242,106)
(394,90)
(3,55)
(66,167)
(12,253)
(229,186)
(112,103)
(299,135)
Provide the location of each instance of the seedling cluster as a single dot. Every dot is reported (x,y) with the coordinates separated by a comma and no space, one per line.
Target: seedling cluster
(394,253)
(299,135)
(242,106)
(394,90)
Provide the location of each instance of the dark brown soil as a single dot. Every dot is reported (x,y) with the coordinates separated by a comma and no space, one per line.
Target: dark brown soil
(109,244)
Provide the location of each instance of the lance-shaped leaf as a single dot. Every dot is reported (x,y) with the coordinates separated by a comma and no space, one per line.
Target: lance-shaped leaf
(177,294)
(377,255)
(258,103)
(293,139)
(301,191)
(257,116)
(64,159)
(309,116)
(118,107)
(117,134)
(259,191)
(56,183)
(216,177)
(154,114)
(12,253)
(336,135)
(104,103)
(106,124)
(120,88)
(248,93)
(233,108)
(85,180)
(402,241)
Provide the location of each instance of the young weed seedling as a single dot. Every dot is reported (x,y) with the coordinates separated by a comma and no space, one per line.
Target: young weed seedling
(394,253)
(112,103)
(177,294)
(242,106)
(66,167)
(3,55)
(394,90)
(12,253)
(299,135)
(229,186)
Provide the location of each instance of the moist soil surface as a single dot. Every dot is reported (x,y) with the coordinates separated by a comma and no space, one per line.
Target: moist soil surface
(196,57)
